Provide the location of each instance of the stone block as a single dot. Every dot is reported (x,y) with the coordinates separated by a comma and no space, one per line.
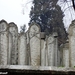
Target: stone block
(42,35)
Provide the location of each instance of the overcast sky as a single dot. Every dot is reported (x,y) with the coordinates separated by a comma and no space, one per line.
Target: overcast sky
(11,11)
(68,12)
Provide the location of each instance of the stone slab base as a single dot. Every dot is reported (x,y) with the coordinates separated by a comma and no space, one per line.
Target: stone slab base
(17,69)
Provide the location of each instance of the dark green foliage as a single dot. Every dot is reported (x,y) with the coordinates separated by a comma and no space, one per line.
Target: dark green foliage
(22,28)
(49,16)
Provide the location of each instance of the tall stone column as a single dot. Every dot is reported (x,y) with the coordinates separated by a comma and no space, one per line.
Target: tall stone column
(56,58)
(34,34)
(14,52)
(43,52)
(43,49)
(28,48)
(10,40)
(22,49)
(3,42)
(52,50)
(66,55)
(72,44)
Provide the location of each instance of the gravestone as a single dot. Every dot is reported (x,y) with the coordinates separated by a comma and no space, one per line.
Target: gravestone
(56,51)
(52,50)
(72,44)
(34,35)
(14,52)
(3,42)
(43,49)
(22,49)
(66,55)
(50,45)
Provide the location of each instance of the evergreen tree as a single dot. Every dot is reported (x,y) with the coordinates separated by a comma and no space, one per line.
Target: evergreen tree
(48,14)
(23,28)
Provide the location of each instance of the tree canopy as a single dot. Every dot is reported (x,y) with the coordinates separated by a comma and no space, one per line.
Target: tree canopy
(48,14)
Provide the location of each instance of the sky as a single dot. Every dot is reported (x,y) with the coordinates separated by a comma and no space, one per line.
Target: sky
(12,11)
(68,12)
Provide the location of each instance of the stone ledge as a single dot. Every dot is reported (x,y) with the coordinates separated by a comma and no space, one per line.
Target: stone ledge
(40,68)
(21,70)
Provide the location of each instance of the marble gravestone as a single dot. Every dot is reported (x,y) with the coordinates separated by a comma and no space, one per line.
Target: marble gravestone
(14,52)
(52,50)
(66,55)
(3,42)
(50,46)
(34,37)
(43,52)
(43,48)
(22,49)
(72,44)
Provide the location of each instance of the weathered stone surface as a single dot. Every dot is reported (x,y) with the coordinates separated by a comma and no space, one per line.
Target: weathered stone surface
(23,68)
(14,32)
(52,50)
(3,42)
(4,48)
(34,34)
(56,51)
(27,35)
(34,48)
(43,52)
(72,51)
(42,35)
(66,55)
(59,62)
(28,48)
(60,55)
(10,48)
(22,49)
(72,44)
